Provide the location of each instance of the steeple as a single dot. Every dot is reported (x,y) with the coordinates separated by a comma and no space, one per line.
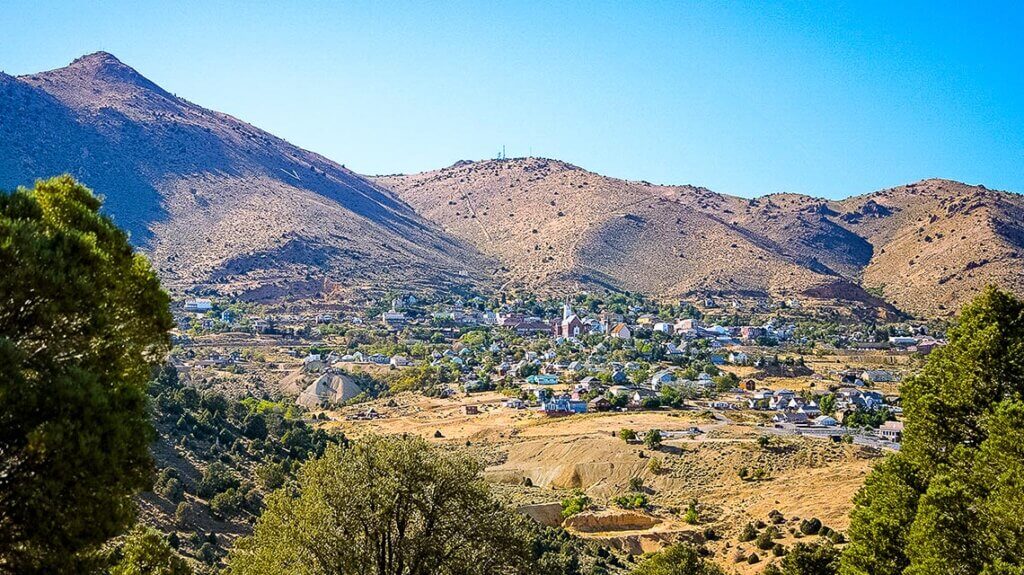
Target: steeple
(566,310)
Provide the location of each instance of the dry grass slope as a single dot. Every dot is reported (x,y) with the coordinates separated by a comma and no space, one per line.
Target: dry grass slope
(928,247)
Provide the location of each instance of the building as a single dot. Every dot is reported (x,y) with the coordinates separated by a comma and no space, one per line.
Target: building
(199,305)
(891,431)
(563,406)
(542,379)
(571,325)
(620,331)
(393,318)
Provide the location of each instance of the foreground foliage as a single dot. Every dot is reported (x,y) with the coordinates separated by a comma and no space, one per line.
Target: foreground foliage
(385,506)
(82,320)
(679,559)
(950,502)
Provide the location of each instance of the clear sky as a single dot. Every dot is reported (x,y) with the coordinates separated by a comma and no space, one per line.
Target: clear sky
(822,98)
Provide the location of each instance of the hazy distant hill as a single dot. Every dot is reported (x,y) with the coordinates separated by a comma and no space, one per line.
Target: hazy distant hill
(927,246)
(218,203)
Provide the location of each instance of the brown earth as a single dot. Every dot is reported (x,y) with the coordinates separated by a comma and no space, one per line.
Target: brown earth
(219,205)
(927,247)
(804,477)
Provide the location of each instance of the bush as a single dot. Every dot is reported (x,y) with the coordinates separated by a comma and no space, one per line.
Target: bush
(171,490)
(216,479)
(749,533)
(692,516)
(575,503)
(655,466)
(631,501)
(626,434)
(753,558)
(765,540)
(226,504)
(653,439)
(810,526)
(778,550)
(636,483)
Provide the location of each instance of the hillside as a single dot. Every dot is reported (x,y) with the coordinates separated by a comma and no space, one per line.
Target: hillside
(927,247)
(219,205)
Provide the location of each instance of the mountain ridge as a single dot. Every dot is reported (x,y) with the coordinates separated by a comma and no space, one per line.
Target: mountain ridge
(780,244)
(219,205)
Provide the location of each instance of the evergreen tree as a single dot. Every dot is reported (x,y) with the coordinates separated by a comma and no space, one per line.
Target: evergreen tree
(82,322)
(949,503)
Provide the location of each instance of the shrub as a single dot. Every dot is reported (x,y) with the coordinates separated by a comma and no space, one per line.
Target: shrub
(810,526)
(631,501)
(575,503)
(753,558)
(749,533)
(765,540)
(655,466)
(627,434)
(692,516)
(778,550)
(636,483)
(653,439)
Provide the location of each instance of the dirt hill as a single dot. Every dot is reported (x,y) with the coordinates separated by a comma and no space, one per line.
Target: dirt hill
(219,205)
(926,247)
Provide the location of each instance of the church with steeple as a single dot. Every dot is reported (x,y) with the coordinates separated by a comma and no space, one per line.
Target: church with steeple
(571,324)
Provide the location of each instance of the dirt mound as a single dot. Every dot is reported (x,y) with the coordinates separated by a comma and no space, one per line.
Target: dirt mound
(547,514)
(610,520)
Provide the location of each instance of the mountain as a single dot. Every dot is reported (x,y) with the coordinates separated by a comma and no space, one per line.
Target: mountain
(219,205)
(926,247)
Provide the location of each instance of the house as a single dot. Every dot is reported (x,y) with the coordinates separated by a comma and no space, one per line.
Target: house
(515,403)
(750,385)
(637,396)
(825,421)
(563,405)
(647,319)
(199,305)
(877,376)
(620,331)
(687,325)
(470,410)
(738,358)
(902,341)
(891,431)
(599,404)
(791,418)
(393,318)
(749,332)
(532,326)
(661,378)
(663,327)
(543,379)
(399,361)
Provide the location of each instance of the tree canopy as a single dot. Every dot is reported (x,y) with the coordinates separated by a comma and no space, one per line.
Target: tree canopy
(679,559)
(950,502)
(82,321)
(385,506)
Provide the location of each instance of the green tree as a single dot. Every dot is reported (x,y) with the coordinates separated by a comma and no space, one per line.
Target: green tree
(678,559)
(385,506)
(945,504)
(147,552)
(652,439)
(811,559)
(82,322)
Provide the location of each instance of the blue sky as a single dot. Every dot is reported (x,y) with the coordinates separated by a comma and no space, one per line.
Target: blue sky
(822,98)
